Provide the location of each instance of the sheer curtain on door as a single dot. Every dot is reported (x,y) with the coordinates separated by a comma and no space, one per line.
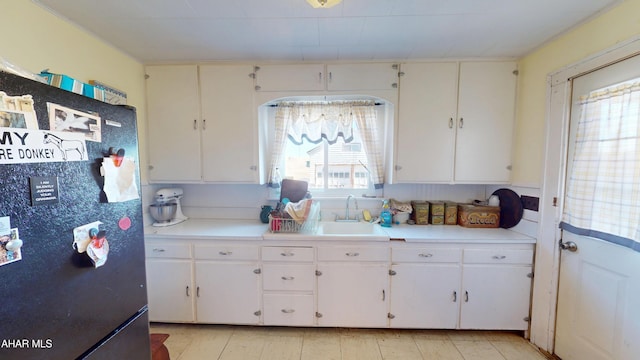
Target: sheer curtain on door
(603,185)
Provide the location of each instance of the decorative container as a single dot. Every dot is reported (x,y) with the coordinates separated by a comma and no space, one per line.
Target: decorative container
(476,216)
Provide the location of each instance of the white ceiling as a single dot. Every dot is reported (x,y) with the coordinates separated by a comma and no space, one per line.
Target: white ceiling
(154,31)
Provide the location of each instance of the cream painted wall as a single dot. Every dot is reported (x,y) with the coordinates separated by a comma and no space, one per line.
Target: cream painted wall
(618,24)
(35,39)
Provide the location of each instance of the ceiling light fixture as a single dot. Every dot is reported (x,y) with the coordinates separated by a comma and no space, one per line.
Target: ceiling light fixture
(323,3)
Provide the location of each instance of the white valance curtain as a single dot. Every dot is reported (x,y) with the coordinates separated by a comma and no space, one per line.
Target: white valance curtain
(603,187)
(315,121)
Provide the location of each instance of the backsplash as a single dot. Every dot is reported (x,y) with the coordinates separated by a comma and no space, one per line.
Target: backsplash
(216,201)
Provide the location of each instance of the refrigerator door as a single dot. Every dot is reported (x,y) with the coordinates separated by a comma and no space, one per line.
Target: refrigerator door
(56,304)
(125,342)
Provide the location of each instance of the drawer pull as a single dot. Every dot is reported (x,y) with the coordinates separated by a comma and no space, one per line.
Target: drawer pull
(425,255)
(455,296)
(188,293)
(225,253)
(352,254)
(158,250)
(466,296)
(287,253)
(287,278)
(499,257)
(288,311)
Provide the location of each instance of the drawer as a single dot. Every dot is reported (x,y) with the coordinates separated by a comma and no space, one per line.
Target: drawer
(353,253)
(288,309)
(294,277)
(497,256)
(287,253)
(426,255)
(165,250)
(226,252)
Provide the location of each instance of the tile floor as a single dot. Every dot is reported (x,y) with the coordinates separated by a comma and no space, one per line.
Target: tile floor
(222,342)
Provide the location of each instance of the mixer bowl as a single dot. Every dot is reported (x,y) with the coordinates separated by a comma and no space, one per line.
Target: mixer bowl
(163,212)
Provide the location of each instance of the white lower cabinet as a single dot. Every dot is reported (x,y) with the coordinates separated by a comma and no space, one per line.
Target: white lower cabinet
(288,285)
(425,288)
(370,285)
(227,279)
(497,289)
(170,289)
(353,286)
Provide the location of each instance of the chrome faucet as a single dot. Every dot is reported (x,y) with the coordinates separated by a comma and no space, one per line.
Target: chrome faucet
(346,215)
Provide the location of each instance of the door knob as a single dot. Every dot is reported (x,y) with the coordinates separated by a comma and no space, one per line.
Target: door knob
(569,245)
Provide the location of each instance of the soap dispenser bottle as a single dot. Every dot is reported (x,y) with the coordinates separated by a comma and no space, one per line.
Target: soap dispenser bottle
(385,215)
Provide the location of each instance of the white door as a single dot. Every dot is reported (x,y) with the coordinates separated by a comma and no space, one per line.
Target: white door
(227,293)
(598,315)
(425,296)
(353,294)
(228,124)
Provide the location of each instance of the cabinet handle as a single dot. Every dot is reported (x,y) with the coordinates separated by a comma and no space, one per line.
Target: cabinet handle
(450,123)
(195,124)
(499,257)
(352,254)
(461,122)
(288,311)
(384,295)
(287,277)
(188,293)
(425,255)
(158,250)
(330,76)
(225,253)
(320,77)
(204,124)
(198,291)
(287,253)
(455,296)
(466,296)
(257,271)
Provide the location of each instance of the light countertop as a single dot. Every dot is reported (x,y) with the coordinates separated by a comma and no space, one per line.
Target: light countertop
(218,229)
(221,229)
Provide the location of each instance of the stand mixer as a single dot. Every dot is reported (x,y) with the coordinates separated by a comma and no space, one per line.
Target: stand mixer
(166,210)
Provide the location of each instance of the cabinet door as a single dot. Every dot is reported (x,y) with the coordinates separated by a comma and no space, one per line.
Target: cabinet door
(425,296)
(426,126)
(170,290)
(229,135)
(486,112)
(374,76)
(295,77)
(174,123)
(227,293)
(495,297)
(353,294)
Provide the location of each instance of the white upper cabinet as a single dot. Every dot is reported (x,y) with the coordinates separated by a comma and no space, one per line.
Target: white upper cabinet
(365,76)
(201,124)
(228,124)
(173,106)
(486,113)
(425,143)
(455,122)
(331,77)
(296,77)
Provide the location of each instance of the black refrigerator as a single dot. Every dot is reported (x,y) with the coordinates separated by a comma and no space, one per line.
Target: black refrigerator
(56,300)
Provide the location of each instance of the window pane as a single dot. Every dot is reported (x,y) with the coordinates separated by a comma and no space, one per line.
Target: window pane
(343,163)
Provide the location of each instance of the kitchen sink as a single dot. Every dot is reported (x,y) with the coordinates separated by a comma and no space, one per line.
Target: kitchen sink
(352,230)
